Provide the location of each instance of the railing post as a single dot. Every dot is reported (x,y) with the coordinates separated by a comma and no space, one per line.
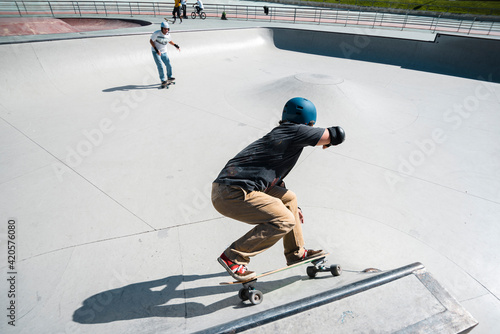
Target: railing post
(18,9)
(51,11)
(404,22)
(470,28)
(437,21)
(491,27)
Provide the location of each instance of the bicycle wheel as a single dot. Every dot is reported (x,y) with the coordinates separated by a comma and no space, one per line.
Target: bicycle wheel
(203,15)
(193,15)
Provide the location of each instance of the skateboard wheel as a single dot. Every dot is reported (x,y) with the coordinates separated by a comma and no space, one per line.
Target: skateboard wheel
(336,270)
(255,297)
(243,294)
(311,271)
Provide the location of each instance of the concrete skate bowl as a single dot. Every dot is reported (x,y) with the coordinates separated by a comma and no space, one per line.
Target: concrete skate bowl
(110,176)
(468,57)
(20,26)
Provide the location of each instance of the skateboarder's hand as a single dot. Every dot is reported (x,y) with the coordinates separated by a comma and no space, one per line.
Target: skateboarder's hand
(301,216)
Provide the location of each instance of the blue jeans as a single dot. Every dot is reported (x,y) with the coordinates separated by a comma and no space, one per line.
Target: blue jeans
(158,60)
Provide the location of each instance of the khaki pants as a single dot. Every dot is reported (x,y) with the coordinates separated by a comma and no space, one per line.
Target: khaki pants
(274,214)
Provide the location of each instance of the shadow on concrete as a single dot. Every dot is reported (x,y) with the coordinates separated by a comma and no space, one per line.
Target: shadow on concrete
(152,299)
(131,87)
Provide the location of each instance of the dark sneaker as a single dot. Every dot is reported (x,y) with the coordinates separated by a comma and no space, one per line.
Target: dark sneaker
(309,253)
(163,84)
(238,271)
(171,79)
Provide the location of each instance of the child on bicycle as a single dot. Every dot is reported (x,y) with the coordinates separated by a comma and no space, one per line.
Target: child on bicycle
(198,6)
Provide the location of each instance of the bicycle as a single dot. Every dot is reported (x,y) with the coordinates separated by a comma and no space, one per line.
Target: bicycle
(201,13)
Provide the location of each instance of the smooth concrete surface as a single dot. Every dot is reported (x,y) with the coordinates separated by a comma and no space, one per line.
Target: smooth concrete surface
(107,179)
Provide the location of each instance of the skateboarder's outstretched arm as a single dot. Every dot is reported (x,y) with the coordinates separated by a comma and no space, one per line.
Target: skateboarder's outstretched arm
(332,136)
(176,46)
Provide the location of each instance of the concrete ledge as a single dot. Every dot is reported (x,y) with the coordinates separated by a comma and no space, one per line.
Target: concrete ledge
(454,318)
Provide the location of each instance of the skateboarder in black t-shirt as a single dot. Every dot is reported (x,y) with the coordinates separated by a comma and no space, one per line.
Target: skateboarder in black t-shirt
(250,188)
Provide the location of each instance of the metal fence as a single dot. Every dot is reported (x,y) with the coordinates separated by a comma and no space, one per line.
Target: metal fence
(309,15)
(430,6)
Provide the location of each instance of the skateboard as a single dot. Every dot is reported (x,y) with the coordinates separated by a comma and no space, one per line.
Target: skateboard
(172,20)
(248,291)
(167,83)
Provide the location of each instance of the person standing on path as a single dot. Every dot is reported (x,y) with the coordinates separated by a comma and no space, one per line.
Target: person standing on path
(183,5)
(177,10)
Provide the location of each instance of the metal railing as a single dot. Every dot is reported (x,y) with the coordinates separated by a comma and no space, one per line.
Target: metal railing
(430,6)
(309,15)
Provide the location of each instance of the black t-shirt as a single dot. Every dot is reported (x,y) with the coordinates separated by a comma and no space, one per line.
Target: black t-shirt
(269,159)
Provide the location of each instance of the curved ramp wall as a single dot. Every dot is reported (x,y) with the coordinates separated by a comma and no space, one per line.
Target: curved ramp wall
(468,57)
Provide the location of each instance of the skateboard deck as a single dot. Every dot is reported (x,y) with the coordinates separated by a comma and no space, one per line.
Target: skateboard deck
(167,83)
(322,256)
(172,20)
(248,291)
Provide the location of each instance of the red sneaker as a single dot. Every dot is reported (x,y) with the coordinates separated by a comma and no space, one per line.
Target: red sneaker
(309,253)
(238,271)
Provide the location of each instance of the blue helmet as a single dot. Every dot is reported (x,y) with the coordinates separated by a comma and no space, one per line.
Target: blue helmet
(300,111)
(165,25)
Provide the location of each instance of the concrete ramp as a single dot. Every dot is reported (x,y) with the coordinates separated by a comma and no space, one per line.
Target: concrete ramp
(106,181)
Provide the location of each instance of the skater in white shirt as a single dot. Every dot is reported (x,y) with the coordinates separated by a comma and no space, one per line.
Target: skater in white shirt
(159,40)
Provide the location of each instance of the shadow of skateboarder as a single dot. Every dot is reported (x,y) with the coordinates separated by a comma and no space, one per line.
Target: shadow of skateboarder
(153,299)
